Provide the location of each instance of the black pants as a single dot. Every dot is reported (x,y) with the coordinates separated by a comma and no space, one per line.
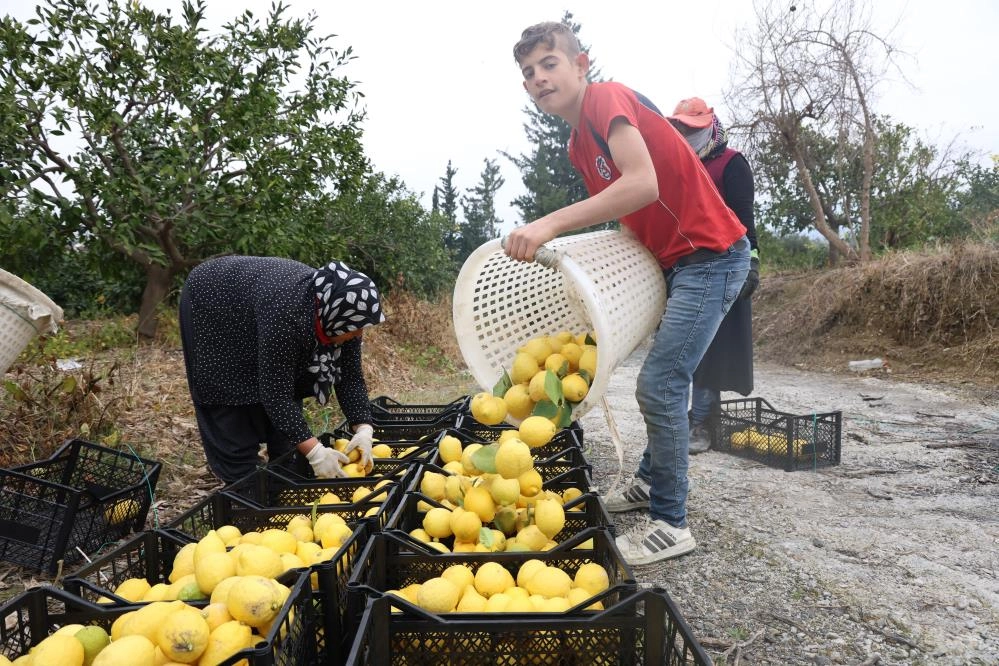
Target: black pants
(230,434)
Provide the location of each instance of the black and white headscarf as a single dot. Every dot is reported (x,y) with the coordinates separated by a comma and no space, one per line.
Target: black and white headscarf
(346,301)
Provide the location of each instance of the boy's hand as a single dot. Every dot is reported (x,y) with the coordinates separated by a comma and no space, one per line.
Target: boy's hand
(523,242)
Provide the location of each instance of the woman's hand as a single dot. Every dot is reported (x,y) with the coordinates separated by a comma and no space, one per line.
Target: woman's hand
(326,463)
(363,440)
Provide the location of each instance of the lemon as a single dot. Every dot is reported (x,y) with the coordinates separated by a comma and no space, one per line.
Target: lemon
(460,575)
(497,603)
(528,569)
(523,368)
(466,458)
(504,491)
(127,651)
(210,543)
(571,351)
(513,459)
(353,470)
(570,494)
(492,578)
(549,516)
(588,360)
(530,482)
(471,601)
(335,535)
(420,534)
(507,433)
(254,600)
(553,605)
(466,526)
(257,560)
(454,488)
(591,577)
(229,534)
(58,649)
(252,538)
(132,589)
(549,582)
(437,523)
(518,401)
(538,347)
(146,621)
(226,640)
(536,431)
(381,451)
(280,541)
(479,501)
(329,498)
(438,595)
(183,562)
(215,614)
(536,387)
(450,448)
(183,636)
(574,387)
(578,595)
(557,363)
(120,511)
(489,409)
(212,570)
(93,639)
(532,537)
(433,485)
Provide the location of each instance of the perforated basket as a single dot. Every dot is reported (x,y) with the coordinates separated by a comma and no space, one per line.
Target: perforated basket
(24,313)
(604,281)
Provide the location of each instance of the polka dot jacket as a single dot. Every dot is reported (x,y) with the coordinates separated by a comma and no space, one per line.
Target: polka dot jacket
(254,333)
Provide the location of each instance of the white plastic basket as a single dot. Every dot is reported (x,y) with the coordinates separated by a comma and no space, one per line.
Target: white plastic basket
(24,313)
(605,281)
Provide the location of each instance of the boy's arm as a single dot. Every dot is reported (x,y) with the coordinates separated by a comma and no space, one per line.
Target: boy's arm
(636,188)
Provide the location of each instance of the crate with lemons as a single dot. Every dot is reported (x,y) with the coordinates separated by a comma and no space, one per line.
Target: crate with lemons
(751,440)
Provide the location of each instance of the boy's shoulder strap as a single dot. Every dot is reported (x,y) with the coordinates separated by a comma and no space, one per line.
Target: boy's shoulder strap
(602,142)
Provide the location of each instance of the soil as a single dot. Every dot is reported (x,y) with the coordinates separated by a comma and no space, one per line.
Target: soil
(891,557)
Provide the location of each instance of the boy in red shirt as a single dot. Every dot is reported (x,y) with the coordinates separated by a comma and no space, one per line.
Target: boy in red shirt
(638,169)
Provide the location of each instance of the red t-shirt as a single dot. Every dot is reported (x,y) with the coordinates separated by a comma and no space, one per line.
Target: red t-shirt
(690,214)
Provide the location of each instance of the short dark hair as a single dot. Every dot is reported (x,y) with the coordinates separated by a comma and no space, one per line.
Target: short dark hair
(547,34)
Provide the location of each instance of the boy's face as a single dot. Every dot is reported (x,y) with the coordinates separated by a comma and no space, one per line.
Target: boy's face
(554,81)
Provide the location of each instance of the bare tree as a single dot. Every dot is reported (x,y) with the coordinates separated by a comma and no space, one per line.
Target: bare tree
(801,68)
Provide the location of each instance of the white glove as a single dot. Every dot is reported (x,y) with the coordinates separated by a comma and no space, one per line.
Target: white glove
(326,463)
(363,440)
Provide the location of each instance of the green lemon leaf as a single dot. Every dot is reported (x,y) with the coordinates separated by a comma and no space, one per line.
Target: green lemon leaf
(503,385)
(553,387)
(484,458)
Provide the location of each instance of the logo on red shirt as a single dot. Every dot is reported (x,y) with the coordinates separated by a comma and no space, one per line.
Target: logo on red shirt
(602,167)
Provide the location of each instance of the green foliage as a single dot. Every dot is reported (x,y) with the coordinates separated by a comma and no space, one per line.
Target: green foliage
(480,223)
(912,196)
(446,205)
(187,144)
(381,229)
(790,251)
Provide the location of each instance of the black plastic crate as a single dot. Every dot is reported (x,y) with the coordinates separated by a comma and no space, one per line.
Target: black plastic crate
(81,498)
(752,428)
(33,615)
(570,436)
(581,514)
(385,410)
(405,430)
(643,629)
(147,555)
(294,466)
(330,584)
(270,488)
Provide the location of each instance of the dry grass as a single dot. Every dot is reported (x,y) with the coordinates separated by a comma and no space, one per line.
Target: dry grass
(932,310)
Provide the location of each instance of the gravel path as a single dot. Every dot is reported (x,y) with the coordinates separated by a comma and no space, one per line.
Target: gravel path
(892,557)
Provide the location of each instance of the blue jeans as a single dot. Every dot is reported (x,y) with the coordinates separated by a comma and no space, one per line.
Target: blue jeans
(703,401)
(699,297)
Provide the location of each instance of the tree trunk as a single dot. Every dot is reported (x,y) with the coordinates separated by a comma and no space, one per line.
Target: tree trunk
(158,282)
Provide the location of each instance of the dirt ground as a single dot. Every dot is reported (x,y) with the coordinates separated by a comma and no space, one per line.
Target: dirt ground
(891,557)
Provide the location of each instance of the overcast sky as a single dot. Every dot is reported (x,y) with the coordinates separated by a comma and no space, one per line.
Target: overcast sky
(440,82)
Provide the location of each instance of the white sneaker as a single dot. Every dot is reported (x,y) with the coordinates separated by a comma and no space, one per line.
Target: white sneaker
(654,540)
(635,496)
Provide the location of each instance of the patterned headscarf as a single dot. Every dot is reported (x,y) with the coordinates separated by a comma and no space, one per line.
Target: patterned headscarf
(709,142)
(346,300)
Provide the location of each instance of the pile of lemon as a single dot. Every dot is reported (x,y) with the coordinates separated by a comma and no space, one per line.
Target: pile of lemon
(571,360)
(537,588)
(506,510)
(775,443)
(354,469)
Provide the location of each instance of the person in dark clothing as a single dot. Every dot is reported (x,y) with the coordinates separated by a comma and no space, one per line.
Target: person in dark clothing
(727,365)
(261,334)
